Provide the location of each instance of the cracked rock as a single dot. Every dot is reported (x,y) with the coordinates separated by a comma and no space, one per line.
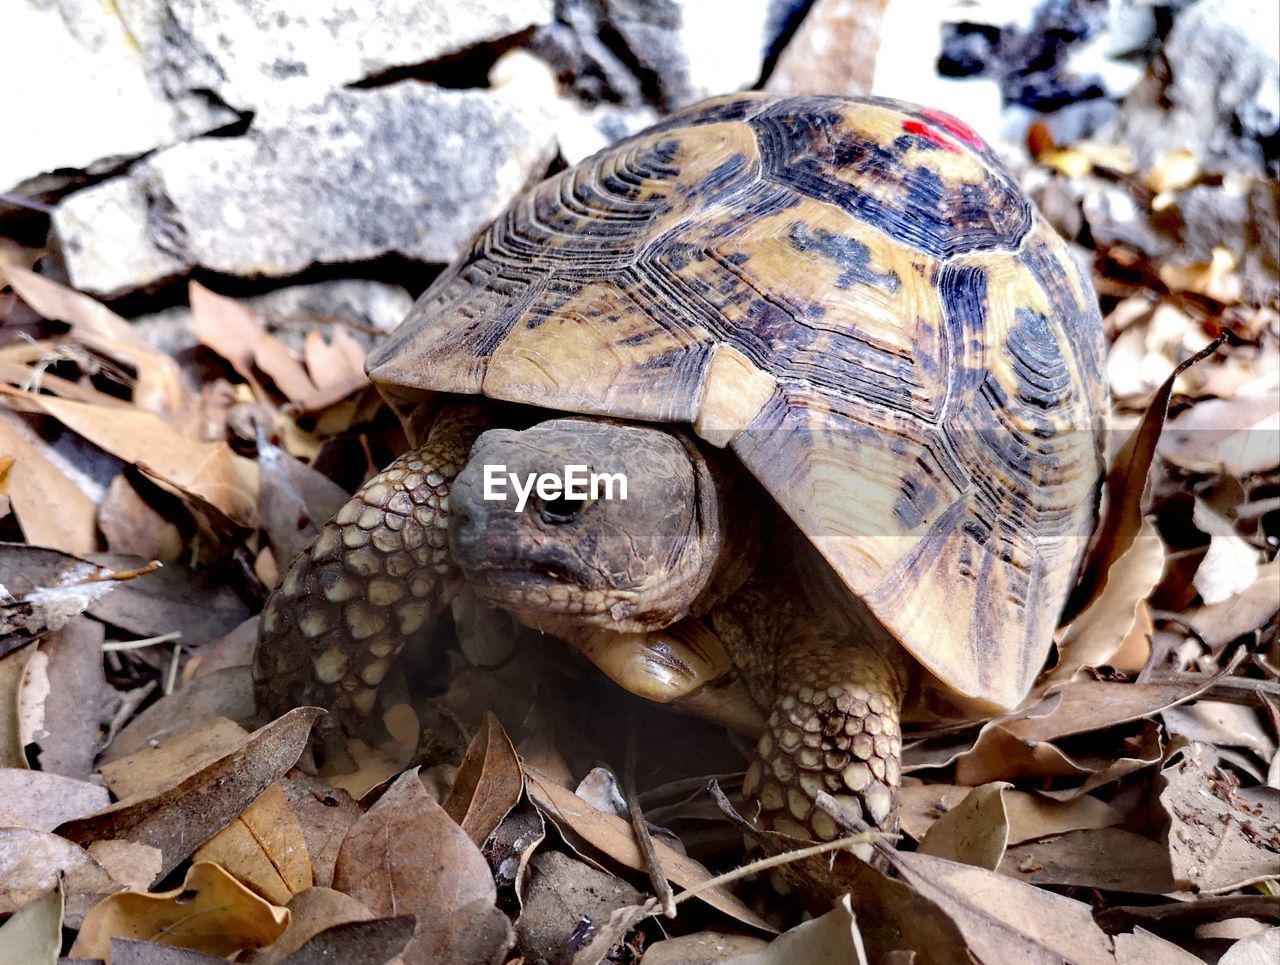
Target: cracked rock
(409,168)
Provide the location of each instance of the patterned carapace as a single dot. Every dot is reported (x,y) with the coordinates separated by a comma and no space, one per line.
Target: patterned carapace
(858,299)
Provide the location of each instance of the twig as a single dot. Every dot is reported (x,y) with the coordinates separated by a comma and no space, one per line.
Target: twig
(118,645)
(657,877)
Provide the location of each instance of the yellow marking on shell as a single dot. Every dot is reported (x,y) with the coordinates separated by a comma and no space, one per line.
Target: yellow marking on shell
(330,665)
(375,493)
(734,392)
(751,781)
(856,777)
(363,562)
(789,740)
(765,747)
(783,769)
(383,647)
(364,621)
(354,538)
(877,767)
(893,771)
(386,540)
(350,510)
(294,581)
(809,758)
(370,517)
(862,746)
(872,724)
(884,747)
(327,543)
(270,620)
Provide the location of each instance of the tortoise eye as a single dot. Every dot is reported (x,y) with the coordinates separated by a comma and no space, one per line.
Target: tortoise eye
(562,510)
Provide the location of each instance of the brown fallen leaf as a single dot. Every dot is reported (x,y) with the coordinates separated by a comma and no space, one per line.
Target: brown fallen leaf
(14,735)
(1260,949)
(211,912)
(294,500)
(406,856)
(614,837)
(830,939)
(374,942)
(563,892)
(264,848)
(223,693)
(336,367)
(46,589)
(79,699)
(202,801)
(488,784)
(1005,920)
(310,913)
(131,951)
(1108,859)
(31,862)
(1235,435)
(42,801)
(702,948)
(132,527)
(975,831)
(51,508)
(1221,836)
(151,769)
(210,470)
(1218,624)
(325,814)
(33,934)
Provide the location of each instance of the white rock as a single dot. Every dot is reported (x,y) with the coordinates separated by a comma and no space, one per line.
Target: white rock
(408,168)
(78,96)
(256,52)
(695,48)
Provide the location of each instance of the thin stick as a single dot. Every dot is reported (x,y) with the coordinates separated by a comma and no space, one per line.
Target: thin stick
(117,645)
(657,877)
(774,861)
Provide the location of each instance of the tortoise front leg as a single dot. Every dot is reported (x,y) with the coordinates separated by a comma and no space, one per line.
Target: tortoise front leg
(378,573)
(833,727)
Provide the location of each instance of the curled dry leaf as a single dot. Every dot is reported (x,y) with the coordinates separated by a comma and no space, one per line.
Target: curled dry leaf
(614,837)
(1006,920)
(488,784)
(41,801)
(264,848)
(310,913)
(33,935)
(209,470)
(975,831)
(406,856)
(211,912)
(202,801)
(830,939)
(1221,836)
(51,508)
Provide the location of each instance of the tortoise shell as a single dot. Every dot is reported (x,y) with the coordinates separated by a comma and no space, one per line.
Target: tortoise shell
(857,298)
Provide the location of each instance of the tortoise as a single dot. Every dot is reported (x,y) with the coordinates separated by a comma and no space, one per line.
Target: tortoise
(853,379)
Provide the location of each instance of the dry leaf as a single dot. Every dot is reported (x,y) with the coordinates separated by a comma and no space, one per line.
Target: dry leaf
(1108,859)
(702,948)
(310,913)
(975,831)
(488,784)
(1231,564)
(357,943)
(79,699)
(223,693)
(33,934)
(31,863)
(831,939)
(1260,949)
(325,814)
(295,501)
(211,912)
(41,801)
(204,800)
(45,590)
(152,769)
(405,856)
(51,508)
(614,837)
(1236,436)
(264,848)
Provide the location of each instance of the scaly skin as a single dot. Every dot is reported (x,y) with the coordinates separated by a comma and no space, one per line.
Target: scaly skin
(378,573)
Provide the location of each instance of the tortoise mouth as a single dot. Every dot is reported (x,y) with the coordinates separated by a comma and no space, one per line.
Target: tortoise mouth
(545,589)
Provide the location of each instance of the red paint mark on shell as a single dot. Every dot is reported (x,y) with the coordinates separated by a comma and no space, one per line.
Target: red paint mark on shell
(930,135)
(956,128)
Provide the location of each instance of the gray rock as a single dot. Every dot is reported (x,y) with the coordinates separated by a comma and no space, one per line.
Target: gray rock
(63,126)
(1215,89)
(366,309)
(561,893)
(257,52)
(408,168)
(694,48)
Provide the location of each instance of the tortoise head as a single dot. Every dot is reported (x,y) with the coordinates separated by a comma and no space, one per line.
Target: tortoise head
(577,524)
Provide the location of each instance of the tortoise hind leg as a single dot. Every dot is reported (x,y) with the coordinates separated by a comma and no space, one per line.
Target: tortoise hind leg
(378,572)
(833,727)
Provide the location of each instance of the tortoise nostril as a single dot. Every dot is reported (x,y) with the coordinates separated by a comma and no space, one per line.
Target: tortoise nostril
(561,509)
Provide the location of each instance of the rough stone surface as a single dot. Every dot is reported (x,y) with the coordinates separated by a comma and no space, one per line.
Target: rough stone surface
(833,50)
(289,313)
(255,52)
(112,112)
(1215,88)
(563,892)
(408,168)
(694,48)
